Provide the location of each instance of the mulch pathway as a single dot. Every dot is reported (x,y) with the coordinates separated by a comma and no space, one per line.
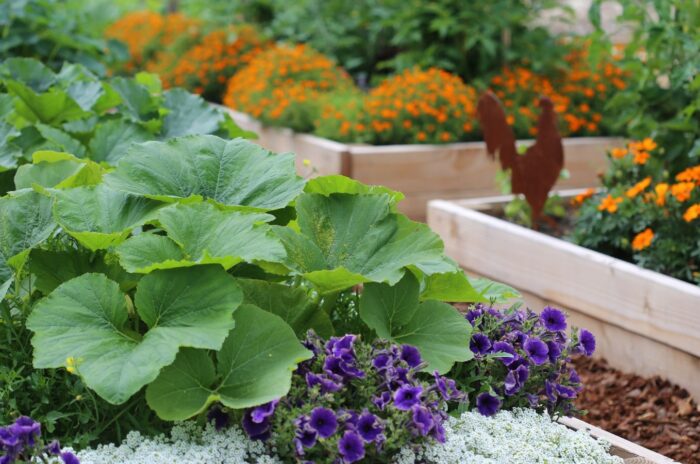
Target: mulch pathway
(651,412)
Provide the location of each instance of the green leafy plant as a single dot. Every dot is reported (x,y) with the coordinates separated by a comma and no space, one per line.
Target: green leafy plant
(190,253)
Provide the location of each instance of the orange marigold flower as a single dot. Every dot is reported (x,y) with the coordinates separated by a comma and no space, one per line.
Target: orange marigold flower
(682,190)
(609,204)
(643,239)
(618,153)
(661,190)
(638,188)
(648,144)
(641,157)
(581,197)
(692,213)
(691,174)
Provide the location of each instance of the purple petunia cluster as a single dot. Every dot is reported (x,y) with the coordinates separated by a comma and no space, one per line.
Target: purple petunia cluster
(21,442)
(522,359)
(354,401)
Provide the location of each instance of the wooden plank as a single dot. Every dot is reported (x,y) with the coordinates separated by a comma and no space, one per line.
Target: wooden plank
(647,303)
(620,447)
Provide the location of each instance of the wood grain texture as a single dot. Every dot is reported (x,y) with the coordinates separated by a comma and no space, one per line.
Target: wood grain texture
(647,305)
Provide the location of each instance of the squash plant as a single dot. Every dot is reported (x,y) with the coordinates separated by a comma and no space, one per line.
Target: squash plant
(76,112)
(194,267)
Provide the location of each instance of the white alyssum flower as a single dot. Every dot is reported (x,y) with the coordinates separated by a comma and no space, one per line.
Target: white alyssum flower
(518,437)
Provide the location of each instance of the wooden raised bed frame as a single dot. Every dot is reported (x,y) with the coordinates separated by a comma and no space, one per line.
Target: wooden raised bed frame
(645,322)
(422,172)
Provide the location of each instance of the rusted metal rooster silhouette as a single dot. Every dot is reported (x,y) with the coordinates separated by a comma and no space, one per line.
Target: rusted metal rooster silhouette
(534,173)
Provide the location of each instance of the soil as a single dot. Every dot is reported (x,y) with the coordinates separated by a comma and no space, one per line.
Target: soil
(651,412)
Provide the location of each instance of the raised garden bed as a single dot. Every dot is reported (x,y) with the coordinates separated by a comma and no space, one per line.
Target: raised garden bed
(422,172)
(645,322)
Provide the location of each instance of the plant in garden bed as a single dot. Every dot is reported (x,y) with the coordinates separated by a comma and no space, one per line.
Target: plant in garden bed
(90,119)
(22,442)
(281,86)
(644,213)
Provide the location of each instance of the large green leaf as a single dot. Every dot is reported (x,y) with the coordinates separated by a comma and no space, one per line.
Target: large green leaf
(188,114)
(205,235)
(254,366)
(113,138)
(58,170)
(136,99)
(290,303)
(234,173)
(327,185)
(59,140)
(87,319)
(25,222)
(31,72)
(440,333)
(347,239)
(52,107)
(99,217)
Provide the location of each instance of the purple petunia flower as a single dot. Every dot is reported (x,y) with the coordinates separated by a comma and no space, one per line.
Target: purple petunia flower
(255,430)
(217,416)
(323,421)
(344,367)
(565,392)
(533,400)
(587,341)
(261,413)
(537,350)
(26,429)
(69,458)
(382,400)
(351,447)
(406,396)
(505,347)
(480,344)
(369,427)
(553,319)
(554,351)
(422,419)
(487,405)
(550,391)
(324,382)
(411,356)
(306,437)
(473,314)
(515,380)
(447,388)
(337,346)
(382,361)
(54,448)
(517,337)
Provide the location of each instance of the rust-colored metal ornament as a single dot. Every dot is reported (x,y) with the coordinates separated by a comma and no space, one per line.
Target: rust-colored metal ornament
(534,173)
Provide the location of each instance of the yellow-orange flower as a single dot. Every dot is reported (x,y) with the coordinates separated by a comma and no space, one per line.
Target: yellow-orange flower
(661,190)
(581,197)
(691,174)
(609,204)
(641,157)
(682,190)
(648,144)
(618,153)
(638,188)
(643,239)
(692,213)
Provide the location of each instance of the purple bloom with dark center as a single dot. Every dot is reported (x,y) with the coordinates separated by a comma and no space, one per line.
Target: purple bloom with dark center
(26,429)
(323,421)
(325,383)
(487,405)
(565,392)
(517,337)
(69,458)
(537,350)
(587,341)
(351,447)
(553,319)
(255,430)
(447,388)
(515,380)
(554,351)
(344,367)
(8,439)
(216,415)
(406,396)
(473,314)
(411,356)
(54,448)
(305,436)
(505,347)
(340,345)
(382,361)
(381,400)
(480,344)
(422,419)
(369,427)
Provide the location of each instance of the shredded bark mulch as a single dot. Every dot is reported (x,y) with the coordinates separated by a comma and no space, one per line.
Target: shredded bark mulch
(651,412)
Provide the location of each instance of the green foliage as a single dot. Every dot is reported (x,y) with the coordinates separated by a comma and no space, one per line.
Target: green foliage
(662,99)
(56,31)
(76,112)
(166,273)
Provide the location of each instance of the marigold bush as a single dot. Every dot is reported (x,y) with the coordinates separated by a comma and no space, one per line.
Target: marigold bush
(148,35)
(206,67)
(579,95)
(416,106)
(282,85)
(645,213)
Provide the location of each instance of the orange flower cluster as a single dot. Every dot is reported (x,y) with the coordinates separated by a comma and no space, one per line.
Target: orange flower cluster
(579,95)
(643,239)
(416,106)
(609,204)
(207,66)
(692,213)
(581,197)
(146,34)
(640,151)
(281,86)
